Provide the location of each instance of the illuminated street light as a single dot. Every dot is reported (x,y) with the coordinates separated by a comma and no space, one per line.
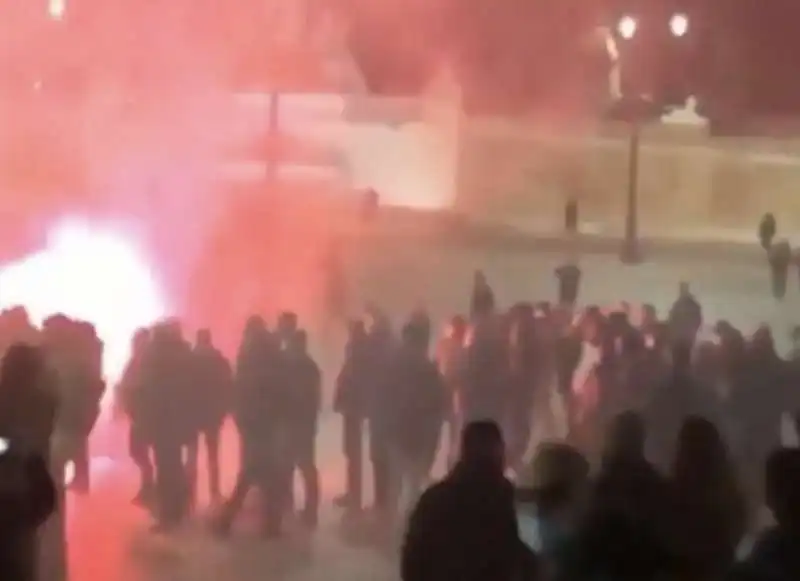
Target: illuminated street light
(679,25)
(56,9)
(627,27)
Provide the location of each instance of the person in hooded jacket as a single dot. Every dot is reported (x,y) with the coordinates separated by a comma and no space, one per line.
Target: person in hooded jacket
(464,528)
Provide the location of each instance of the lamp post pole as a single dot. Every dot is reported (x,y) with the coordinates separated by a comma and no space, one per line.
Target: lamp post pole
(630,253)
(273,134)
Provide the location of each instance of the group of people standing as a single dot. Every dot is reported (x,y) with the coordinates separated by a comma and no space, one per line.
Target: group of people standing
(178,395)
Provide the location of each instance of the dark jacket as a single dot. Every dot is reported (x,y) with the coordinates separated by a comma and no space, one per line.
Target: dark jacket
(414,402)
(304,384)
(625,533)
(27,499)
(212,379)
(464,528)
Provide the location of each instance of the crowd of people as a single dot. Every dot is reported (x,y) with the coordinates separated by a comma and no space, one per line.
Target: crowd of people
(670,450)
(659,431)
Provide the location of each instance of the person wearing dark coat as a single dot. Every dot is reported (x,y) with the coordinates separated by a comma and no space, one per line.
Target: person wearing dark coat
(767,229)
(707,501)
(568,276)
(482,301)
(685,316)
(28,495)
(212,382)
(381,349)
(625,534)
(779,256)
(260,412)
(131,392)
(464,528)
(412,411)
(304,382)
(350,401)
(167,385)
(757,406)
(27,499)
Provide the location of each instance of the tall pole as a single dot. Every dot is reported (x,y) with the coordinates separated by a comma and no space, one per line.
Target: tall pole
(273,135)
(630,252)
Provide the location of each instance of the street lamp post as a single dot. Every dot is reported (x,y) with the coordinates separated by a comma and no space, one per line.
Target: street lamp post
(630,252)
(637,110)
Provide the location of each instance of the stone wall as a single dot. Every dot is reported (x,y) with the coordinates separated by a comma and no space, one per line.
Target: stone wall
(689,183)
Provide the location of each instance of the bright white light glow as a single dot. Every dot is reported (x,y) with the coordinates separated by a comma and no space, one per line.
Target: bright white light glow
(56,9)
(91,274)
(679,24)
(627,27)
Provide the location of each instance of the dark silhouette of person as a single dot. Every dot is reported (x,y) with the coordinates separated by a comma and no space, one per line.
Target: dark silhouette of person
(464,528)
(212,382)
(767,229)
(168,386)
(304,380)
(568,276)
(775,556)
(414,404)
(625,534)
(482,301)
(255,379)
(685,316)
(131,394)
(27,499)
(28,494)
(350,400)
(708,503)
(780,259)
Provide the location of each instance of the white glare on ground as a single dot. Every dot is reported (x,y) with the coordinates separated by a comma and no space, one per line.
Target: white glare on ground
(56,9)
(627,27)
(92,274)
(679,24)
